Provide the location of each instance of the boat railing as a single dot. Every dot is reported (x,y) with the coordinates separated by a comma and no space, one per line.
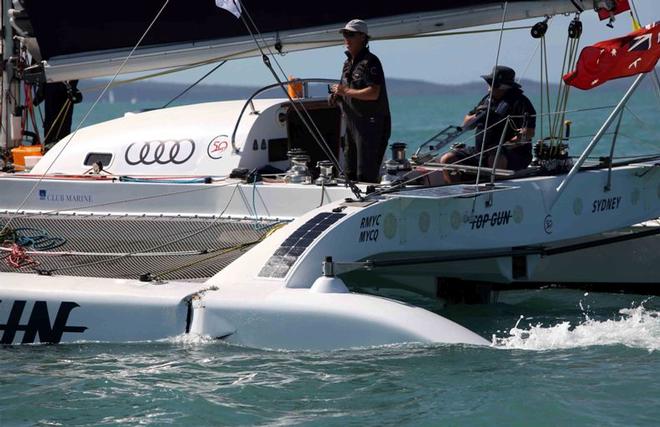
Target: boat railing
(249,102)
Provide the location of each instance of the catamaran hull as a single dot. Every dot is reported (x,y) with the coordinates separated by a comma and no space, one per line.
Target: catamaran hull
(611,266)
(39,309)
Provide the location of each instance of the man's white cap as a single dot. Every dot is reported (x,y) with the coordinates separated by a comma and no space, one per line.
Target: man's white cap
(357,26)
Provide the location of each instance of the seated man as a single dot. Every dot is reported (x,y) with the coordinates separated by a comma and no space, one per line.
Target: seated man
(508,101)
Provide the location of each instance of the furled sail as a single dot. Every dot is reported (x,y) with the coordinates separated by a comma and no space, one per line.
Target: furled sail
(80,39)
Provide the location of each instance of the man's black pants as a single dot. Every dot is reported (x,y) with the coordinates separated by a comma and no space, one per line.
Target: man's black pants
(366,141)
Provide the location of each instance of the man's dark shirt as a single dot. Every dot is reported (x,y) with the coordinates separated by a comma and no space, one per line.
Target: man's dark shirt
(359,73)
(513,103)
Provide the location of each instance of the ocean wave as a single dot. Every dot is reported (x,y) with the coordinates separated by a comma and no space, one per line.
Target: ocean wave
(636,327)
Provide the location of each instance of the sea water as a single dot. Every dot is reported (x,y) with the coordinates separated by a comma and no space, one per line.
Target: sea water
(558,357)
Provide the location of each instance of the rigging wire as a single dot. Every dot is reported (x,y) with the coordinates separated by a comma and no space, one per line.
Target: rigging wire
(194,84)
(321,141)
(570,59)
(636,23)
(316,134)
(89,111)
(492,85)
(302,106)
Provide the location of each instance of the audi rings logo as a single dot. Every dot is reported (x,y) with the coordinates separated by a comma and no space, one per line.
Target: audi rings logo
(161,152)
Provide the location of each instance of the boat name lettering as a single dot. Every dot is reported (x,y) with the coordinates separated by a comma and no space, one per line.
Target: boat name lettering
(369,226)
(38,323)
(48,196)
(609,204)
(494,220)
(370,221)
(160,152)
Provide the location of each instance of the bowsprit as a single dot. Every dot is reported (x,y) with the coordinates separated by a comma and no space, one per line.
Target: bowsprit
(160,152)
(38,323)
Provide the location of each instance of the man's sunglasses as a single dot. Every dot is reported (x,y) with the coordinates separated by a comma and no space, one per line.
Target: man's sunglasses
(349,34)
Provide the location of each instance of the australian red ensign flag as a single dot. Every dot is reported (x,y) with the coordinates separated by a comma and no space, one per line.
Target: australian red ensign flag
(638,52)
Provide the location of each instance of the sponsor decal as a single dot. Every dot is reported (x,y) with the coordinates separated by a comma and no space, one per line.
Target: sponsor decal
(604,205)
(171,151)
(369,228)
(49,196)
(217,147)
(496,219)
(38,323)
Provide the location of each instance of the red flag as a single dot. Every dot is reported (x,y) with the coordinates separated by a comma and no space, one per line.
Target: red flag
(608,8)
(638,52)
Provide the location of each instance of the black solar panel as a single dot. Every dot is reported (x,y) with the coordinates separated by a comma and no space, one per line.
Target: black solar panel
(285,256)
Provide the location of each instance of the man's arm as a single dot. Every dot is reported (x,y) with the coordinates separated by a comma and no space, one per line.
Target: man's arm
(370,93)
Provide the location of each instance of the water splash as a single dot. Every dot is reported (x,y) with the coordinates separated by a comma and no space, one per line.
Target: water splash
(190,339)
(635,327)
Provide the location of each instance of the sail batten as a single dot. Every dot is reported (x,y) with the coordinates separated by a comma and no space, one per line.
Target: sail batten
(186,36)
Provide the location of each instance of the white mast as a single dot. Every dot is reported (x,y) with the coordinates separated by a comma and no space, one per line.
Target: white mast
(10,87)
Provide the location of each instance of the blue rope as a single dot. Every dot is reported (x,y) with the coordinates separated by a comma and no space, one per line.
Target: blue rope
(202,180)
(37,239)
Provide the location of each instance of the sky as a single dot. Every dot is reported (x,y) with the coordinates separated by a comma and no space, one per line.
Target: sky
(444,60)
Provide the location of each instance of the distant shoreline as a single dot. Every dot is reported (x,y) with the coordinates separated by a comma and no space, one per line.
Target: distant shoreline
(149,91)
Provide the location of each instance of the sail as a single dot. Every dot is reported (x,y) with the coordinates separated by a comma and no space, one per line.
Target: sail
(80,39)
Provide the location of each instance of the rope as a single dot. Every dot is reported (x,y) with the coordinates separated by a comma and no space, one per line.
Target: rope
(29,237)
(38,239)
(490,97)
(17,242)
(61,114)
(570,59)
(217,253)
(18,258)
(194,84)
(316,133)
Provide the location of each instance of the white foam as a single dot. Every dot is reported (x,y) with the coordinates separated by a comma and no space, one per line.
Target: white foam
(635,327)
(190,339)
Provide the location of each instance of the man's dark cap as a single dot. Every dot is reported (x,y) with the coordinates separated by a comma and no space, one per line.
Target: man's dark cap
(502,75)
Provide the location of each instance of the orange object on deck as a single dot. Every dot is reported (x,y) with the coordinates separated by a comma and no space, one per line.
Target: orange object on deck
(295,87)
(19,153)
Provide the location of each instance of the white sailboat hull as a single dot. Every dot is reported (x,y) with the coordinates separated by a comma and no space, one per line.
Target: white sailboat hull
(73,309)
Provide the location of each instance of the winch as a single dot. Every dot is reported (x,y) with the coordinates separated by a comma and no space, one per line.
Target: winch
(298,173)
(551,154)
(325,173)
(397,165)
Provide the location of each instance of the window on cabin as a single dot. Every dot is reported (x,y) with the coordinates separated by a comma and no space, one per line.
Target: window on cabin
(104,158)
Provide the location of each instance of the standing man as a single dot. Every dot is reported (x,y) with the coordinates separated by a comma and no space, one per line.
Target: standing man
(508,101)
(363,99)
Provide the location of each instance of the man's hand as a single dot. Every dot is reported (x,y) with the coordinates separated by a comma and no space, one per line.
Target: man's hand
(524,135)
(469,122)
(339,89)
(369,93)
